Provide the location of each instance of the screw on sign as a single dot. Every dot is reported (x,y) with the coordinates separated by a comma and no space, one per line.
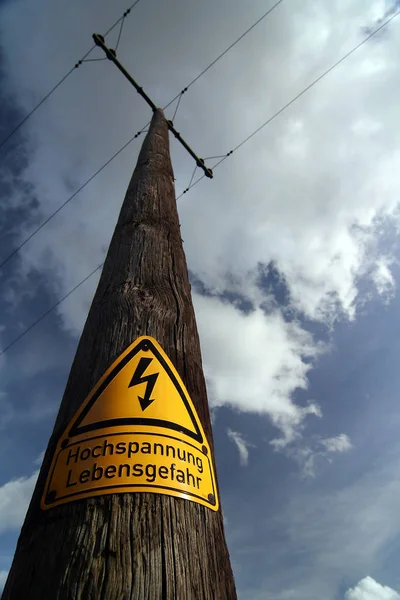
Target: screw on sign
(137,431)
(127,490)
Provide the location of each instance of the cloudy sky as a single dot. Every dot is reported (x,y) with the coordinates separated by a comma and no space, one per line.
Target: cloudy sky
(292,248)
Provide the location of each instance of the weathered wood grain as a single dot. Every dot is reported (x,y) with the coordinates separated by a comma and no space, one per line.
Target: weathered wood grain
(130,546)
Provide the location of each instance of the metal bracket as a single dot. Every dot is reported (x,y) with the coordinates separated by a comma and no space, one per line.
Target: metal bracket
(111,55)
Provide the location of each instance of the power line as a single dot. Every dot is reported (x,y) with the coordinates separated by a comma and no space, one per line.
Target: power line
(292,101)
(204,71)
(59,209)
(44,315)
(317,80)
(50,217)
(65,77)
(119,35)
(329,70)
(269,11)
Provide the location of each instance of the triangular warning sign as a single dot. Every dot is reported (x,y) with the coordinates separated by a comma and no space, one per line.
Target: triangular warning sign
(136,432)
(142,387)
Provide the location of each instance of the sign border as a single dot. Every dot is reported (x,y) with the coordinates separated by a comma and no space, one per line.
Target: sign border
(162,429)
(145,344)
(68,497)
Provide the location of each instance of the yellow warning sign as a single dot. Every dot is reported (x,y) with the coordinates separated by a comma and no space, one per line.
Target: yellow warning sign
(137,431)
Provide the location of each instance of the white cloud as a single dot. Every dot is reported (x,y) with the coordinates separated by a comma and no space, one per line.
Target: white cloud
(39,459)
(383,277)
(308,193)
(369,589)
(317,219)
(340,443)
(309,455)
(254,362)
(322,535)
(14,499)
(242,446)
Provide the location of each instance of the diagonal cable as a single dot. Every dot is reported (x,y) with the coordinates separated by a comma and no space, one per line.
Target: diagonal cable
(313,83)
(16,250)
(190,182)
(47,312)
(200,178)
(50,217)
(295,98)
(179,101)
(63,79)
(43,100)
(269,11)
(94,59)
(119,34)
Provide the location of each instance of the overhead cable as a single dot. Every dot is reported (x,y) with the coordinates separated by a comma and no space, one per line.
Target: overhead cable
(65,77)
(59,209)
(45,314)
(204,71)
(292,101)
(21,335)
(178,96)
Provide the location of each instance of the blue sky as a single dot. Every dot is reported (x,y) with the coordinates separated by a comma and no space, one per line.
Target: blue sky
(292,250)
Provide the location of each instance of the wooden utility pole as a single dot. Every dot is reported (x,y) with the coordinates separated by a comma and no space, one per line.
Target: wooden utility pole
(130,546)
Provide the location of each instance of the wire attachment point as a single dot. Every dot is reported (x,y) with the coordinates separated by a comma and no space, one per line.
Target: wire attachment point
(179,101)
(98,38)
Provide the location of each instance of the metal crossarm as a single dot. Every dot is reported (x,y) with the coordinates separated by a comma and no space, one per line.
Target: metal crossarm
(111,55)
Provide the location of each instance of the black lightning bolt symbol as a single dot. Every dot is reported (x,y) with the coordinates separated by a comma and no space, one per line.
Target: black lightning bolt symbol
(149,379)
